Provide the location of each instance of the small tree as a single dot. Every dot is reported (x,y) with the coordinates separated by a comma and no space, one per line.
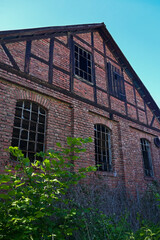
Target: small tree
(32,205)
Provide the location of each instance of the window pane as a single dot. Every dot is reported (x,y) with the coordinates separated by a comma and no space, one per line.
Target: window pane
(34,107)
(31,146)
(26,115)
(102,148)
(18,112)
(25,124)
(146,157)
(15,142)
(41,128)
(17,122)
(82,63)
(33,126)
(24,134)
(32,136)
(16,132)
(29,128)
(27,105)
(34,117)
(116,82)
(23,145)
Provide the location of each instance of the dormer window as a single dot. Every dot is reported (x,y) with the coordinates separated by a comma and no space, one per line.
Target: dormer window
(82,63)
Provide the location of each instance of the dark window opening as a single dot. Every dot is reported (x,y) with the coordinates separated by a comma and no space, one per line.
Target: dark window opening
(147,160)
(116,82)
(102,148)
(29,128)
(82,63)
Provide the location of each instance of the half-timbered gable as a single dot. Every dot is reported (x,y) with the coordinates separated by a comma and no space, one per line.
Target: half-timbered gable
(75,81)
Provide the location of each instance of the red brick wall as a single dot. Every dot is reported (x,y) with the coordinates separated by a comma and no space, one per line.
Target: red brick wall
(68,116)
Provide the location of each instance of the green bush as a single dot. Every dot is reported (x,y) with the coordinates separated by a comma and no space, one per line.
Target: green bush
(42,200)
(32,202)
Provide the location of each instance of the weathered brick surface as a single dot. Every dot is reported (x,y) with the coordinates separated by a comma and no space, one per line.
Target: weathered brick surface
(40,48)
(82,44)
(18,52)
(85,36)
(99,59)
(38,69)
(140,102)
(61,56)
(83,89)
(101,78)
(102,98)
(98,42)
(118,105)
(129,93)
(67,115)
(62,39)
(132,111)
(3,57)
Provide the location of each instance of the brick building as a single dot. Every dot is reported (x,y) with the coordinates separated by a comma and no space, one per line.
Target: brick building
(75,81)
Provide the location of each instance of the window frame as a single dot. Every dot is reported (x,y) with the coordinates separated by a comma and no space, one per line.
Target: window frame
(116,86)
(33,126)
(107,164)
(145,143)
(79,69)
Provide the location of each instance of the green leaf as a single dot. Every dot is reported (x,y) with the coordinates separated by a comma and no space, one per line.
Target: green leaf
(4,196)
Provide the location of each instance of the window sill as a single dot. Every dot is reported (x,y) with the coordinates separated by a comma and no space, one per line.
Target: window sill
(121,99)
(147,178)
(105,173)
(83,80)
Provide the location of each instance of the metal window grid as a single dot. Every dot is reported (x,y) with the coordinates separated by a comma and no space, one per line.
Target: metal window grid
(82,63)
(29,128)
(102,148)
(147,160)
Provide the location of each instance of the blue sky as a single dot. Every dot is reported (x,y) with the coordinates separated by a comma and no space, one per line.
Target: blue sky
(134,24)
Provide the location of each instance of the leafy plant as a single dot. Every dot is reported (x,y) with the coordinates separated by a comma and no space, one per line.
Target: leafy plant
(32,203)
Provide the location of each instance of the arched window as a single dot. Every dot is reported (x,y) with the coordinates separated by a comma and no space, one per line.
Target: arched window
(147,160)
(29,128)
(102,147)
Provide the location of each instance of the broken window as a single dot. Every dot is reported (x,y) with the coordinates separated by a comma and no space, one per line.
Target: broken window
(82,63)
(29,128)
(116,82)
(147,160)
(102,148)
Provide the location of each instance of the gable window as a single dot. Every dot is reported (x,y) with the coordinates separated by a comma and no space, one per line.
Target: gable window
(147,161)
(102,148)
(29,128)
(82,63)
(116,82)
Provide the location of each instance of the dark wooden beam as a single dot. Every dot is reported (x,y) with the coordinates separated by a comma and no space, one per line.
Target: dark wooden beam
(151,124)
(71,47)
(9,55)
(31,37)
(47,63)
(27,56)
(39,59)
(95,49)
(50,73)
(106,73)
(93,69)
(135,99)
(63,91)
(145,109)
(125,100)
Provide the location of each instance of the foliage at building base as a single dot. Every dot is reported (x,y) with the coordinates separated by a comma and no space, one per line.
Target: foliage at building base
(47,200)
